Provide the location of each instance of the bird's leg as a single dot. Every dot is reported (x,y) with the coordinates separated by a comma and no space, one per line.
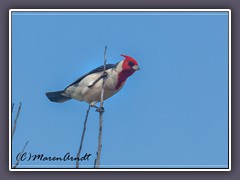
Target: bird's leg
(104,75)
(98,109)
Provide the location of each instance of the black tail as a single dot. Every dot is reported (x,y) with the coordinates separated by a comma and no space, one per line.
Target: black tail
(57,96)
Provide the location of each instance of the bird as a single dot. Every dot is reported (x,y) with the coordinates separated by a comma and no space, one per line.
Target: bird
(89,86)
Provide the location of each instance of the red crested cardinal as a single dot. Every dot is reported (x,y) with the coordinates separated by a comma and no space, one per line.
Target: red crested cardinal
(89,86)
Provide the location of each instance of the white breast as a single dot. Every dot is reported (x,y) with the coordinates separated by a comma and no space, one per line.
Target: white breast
(83,92)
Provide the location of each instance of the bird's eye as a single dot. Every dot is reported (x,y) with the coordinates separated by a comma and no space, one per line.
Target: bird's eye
(130,63)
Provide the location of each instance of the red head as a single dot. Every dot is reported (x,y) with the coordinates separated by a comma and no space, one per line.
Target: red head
(129,64)
(128,67)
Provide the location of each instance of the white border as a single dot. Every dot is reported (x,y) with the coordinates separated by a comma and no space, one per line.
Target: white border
(118,10)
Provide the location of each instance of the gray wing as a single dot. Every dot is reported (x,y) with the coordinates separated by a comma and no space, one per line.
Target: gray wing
(98,69)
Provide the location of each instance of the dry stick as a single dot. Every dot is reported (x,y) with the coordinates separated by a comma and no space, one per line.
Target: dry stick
(13,131)
(83,133)
(97,160)
(15,120)
(19,157)
(12,107)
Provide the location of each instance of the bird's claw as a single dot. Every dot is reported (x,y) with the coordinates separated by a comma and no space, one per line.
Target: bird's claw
(100,109)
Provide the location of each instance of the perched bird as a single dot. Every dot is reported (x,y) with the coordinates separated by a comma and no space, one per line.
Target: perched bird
(89,86)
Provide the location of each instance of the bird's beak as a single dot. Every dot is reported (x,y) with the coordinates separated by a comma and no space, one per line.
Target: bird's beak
(136,67)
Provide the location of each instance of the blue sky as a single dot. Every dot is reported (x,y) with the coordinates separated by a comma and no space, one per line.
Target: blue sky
(173,113)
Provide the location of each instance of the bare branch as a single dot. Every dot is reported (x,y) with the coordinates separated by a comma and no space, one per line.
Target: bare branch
(15,120)
(97,160)
(83,133)
(18,160)
(12,107)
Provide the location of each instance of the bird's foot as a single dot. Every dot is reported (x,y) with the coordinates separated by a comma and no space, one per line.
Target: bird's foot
(100,109)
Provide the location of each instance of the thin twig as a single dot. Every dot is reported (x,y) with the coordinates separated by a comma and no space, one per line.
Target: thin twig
(12,107)
(97,160)
(18,160)
(83,133)
(15,120)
